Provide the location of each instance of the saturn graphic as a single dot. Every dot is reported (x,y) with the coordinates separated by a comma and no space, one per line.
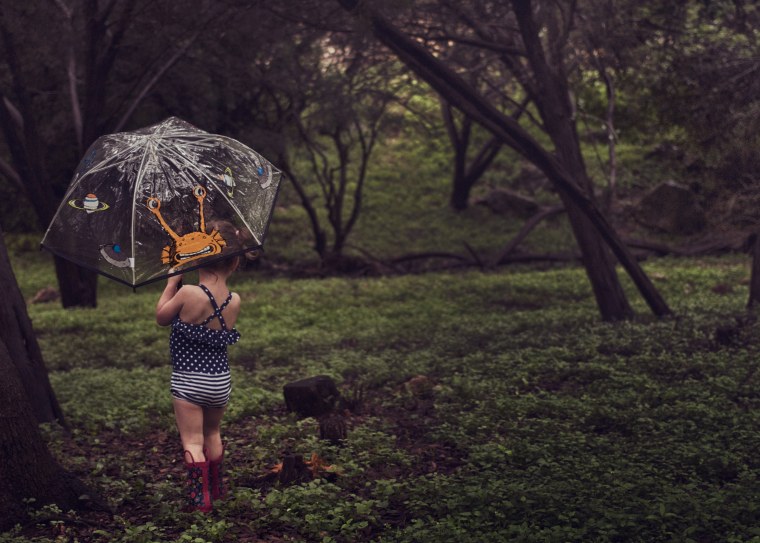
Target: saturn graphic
(90,204)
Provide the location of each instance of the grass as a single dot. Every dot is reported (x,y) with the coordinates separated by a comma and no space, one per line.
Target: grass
(533,421)
(497,406)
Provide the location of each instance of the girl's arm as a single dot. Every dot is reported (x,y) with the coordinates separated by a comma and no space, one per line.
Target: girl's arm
(171,301)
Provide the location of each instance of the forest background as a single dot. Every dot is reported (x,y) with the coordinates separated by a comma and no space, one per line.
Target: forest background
(445,210)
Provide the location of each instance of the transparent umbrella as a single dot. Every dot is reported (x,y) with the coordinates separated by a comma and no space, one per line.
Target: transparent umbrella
(146,204)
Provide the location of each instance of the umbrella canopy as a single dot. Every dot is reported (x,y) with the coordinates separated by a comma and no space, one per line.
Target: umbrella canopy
(144,205)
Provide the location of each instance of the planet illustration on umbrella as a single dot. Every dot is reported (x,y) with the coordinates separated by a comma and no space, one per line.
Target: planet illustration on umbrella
(114,255)
(90,204)
(229,181)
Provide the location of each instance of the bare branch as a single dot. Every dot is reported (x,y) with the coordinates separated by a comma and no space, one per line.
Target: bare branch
(11,174)
(76,110)
(156,77)
(71,72)
(15,114)
(526,229)
(67,11)
(480,43)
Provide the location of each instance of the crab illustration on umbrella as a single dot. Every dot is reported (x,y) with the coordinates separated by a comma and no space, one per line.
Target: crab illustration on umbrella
(170,179)
(191,246)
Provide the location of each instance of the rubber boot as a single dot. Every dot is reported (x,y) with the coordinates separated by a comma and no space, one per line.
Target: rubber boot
(198,495)
(216,478)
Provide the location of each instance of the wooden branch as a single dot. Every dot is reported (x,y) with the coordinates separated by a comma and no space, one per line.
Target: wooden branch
(480,43)
(754,282)
(76,110)
(448,122)
(510,259)
(156,77)
(483,160)
(67,11)
(717,244)
(71,74)
(121,28)
(526,229)
(14,113)
(25,144)
(11,174)
(475,256)
(319,241)
(432,254)
(545,257)
(362,174)
(376,260)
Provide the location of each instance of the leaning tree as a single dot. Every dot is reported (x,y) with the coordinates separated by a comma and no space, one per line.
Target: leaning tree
(28,471)
(535,50)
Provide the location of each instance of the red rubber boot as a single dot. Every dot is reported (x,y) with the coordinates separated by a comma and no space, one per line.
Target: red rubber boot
(198,495)
(216,478)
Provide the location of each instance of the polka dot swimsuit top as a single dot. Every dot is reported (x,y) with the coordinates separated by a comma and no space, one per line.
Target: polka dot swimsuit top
(197,348)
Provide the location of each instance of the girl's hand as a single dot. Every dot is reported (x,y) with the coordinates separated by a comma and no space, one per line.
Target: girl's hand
(174,281)
(171,301)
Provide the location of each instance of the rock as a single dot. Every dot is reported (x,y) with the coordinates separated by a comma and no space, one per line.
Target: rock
(531,179)
(45,295)
(507,202)
(671,207)
(311,397)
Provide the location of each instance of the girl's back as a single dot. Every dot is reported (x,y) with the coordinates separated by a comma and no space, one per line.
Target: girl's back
(197,306)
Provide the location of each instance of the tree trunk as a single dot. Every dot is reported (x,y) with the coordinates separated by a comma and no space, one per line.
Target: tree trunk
(79,286)
(600,266)
(455,90)
(17,335)
(460,142)
(464,177)
(553,102)
(27,469)
(320,239)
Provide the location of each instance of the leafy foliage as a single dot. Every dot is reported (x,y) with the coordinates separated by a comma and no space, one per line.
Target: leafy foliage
(497,407)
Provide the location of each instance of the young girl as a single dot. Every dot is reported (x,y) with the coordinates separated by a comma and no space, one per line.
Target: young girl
(203,325)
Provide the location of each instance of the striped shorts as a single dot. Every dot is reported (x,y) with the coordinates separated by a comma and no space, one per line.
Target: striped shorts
(203,389)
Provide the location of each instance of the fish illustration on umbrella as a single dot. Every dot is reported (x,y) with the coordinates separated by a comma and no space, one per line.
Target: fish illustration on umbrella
(114,255)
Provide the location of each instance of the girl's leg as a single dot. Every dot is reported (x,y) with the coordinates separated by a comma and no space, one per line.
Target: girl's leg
(190,424)
(212,419)
(212,438)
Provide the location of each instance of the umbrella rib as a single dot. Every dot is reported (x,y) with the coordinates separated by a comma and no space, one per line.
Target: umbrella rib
(211,180)
(110,162)
(140,175)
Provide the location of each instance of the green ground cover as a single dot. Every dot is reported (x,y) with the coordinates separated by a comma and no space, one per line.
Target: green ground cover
(533,421)
(497,407)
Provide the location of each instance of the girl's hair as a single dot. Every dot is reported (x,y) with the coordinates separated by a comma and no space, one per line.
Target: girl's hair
(236,240)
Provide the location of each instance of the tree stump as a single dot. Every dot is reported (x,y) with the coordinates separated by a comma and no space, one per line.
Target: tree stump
(311,397)
(294,470)
(332,427)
